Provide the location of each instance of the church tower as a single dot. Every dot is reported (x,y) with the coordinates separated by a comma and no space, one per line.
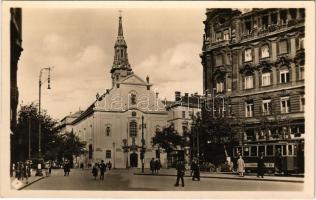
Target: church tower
(121,67)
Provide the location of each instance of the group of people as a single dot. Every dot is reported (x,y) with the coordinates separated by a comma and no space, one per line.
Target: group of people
(195,172)
(102,168)
(155,166)
(260,166)
(22,170)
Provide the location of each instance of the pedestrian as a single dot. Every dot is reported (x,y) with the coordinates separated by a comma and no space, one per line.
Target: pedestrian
(260,167)
(23,172)
(180,173)
(195,171)
(278,161)
(102,170)
(152,165)
(240,166)
(18,171)
(157,166)
(95,171)
(13,169)
(109,165)
(50,167)
(66,168)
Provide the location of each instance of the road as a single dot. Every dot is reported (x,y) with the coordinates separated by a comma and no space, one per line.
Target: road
(122,179)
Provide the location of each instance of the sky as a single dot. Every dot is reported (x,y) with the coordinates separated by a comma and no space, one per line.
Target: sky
(79,44)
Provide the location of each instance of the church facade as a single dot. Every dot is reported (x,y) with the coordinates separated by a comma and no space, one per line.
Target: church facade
(122,121)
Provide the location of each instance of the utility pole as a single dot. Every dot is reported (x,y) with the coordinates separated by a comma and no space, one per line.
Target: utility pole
(39,170)
(142,154)
(29,118)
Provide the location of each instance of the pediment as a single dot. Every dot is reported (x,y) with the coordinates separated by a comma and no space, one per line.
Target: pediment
(134,79)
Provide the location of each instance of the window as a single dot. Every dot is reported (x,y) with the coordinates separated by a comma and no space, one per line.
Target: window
(248,82)
(218,36)
(293,13)
(249,109)
(283,47)
(248,55)
(266,107)
(133,129)
(108,131)
(133,99)
(183,114)
(274,18)
(269,150)
(108,154)
(290,150)
(226,35)
(300,43)
(266,79)
(253,151)
(246,151)
(284,153)
(301,74)
(284,76)
(265,51)
(302,103)
(285,104)
(220,86)
(265,21)
(261,150)
(283,17)
(218,60)
(248,26)
(191,113)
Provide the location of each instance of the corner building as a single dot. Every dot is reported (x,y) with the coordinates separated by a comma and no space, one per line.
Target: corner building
(256,61)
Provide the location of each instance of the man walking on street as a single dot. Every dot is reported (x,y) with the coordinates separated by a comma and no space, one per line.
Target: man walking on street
(152,165)
(180,173)
(260,168)
(102,170)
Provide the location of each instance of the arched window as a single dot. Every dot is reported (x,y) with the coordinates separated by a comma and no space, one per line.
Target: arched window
(133,129)
(133,99)
(108,131)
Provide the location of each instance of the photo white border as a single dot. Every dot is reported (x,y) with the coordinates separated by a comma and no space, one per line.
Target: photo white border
(308,191)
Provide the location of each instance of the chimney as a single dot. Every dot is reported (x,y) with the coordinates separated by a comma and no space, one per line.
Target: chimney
(157,95)
(186,94)
(147,79)
(177,95)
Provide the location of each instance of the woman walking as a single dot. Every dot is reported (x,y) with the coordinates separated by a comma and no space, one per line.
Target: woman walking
(95,171)
(241,166)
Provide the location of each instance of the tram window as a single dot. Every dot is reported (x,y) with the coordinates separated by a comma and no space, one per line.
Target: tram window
(269,150)
(295,150)
(261,150)
(253,151)
(284,150)
(290,148)
(246,151)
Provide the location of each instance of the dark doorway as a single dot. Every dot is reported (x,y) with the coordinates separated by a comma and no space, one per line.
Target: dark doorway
(133,159)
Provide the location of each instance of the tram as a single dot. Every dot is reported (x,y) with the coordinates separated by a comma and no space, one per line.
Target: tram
(282,156)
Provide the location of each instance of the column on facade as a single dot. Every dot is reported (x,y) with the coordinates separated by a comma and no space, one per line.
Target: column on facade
(293,72)
(274,76)
(257,79)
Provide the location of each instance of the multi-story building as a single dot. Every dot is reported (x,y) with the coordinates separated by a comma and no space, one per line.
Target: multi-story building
(181,113)
(15,53)
(65,124)
(255,60)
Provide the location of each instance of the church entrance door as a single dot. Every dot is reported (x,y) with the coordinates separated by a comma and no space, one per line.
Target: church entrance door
(133,159)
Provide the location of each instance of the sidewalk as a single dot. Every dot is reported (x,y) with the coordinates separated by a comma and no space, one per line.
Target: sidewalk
(219,175)
(19,184)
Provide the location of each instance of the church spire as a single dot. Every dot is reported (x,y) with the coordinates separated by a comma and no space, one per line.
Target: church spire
(121,67)
(120,29)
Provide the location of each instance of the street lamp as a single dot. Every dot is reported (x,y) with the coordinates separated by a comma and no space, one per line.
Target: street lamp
(142,153)
(39,170)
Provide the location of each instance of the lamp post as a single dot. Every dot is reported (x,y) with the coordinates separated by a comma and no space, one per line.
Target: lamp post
(142,153)
(39,170)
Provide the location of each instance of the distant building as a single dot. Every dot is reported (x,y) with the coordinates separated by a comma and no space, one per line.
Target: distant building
(255,62)
(15,52)
(65,124)
(181,112)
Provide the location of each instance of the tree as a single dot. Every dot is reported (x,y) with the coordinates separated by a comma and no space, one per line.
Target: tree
(53,144)
(28,119)
(168,139)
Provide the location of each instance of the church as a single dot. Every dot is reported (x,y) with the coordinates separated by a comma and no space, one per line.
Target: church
(115,123)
